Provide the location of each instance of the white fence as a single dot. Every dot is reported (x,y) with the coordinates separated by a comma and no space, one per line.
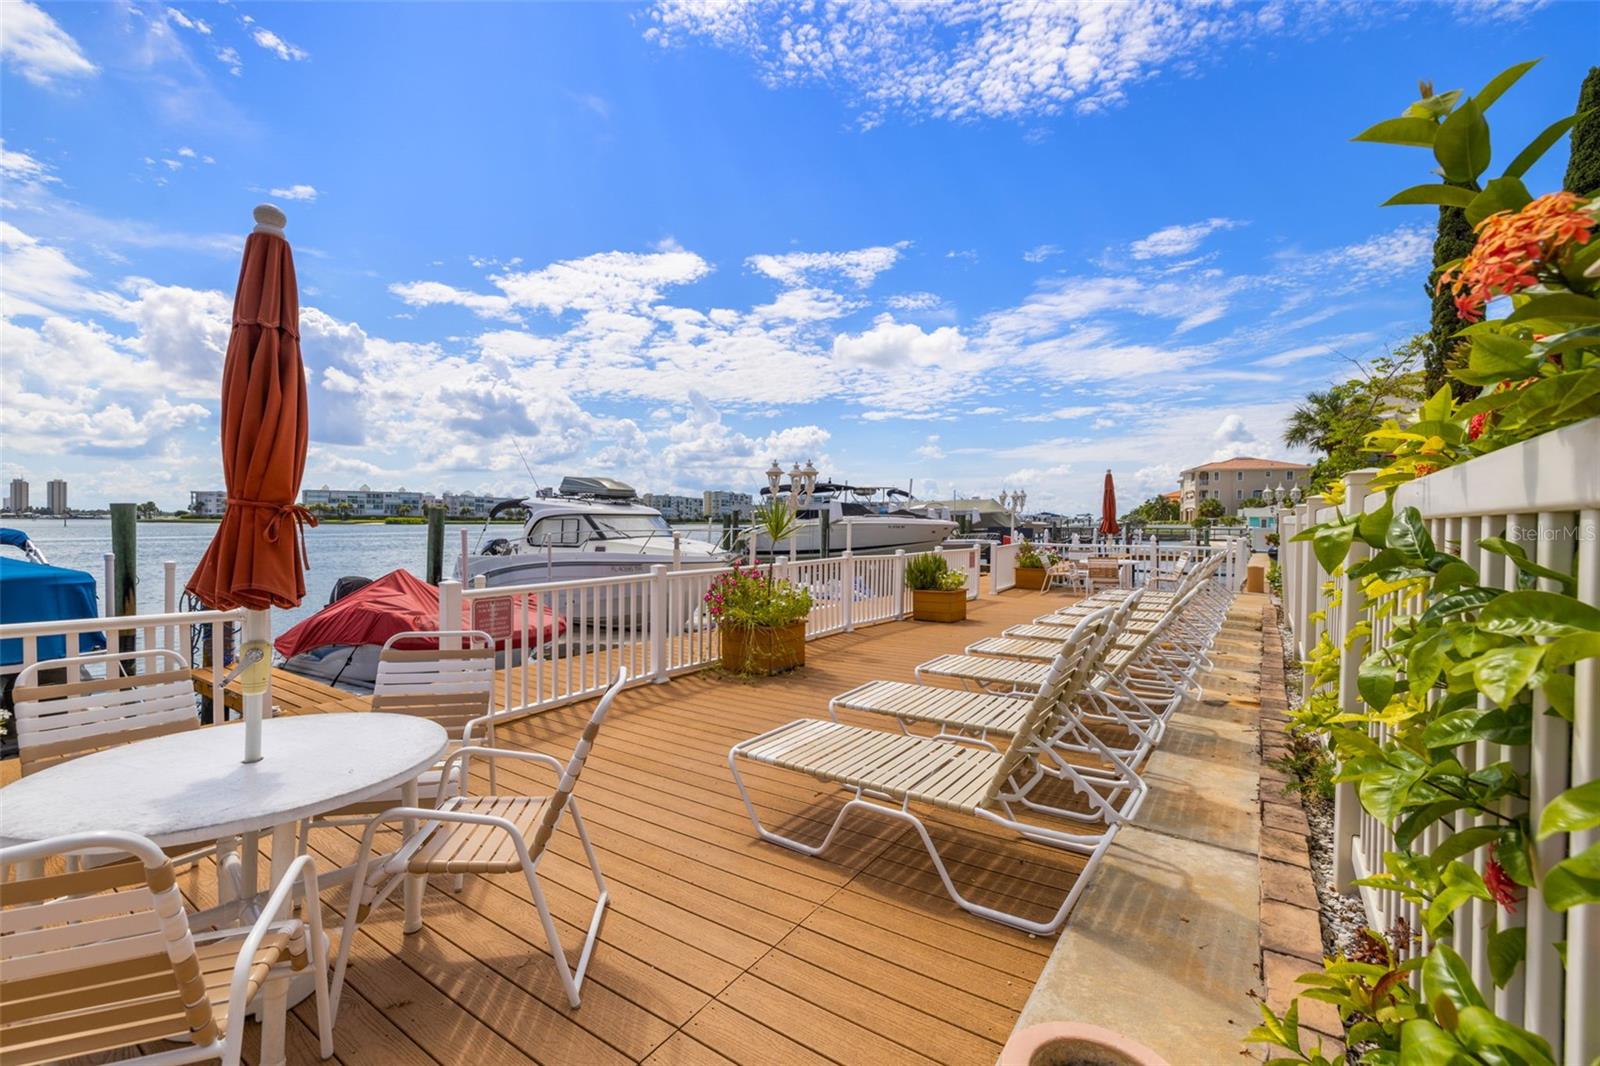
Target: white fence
(1545,495)
(656,624)
(1150,556)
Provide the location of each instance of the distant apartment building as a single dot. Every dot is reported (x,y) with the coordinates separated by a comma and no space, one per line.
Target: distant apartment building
(1233,481)
(55,492)
(674,508)
(468,503)
(17,498)
(364,502)
(716,503)
(207,501)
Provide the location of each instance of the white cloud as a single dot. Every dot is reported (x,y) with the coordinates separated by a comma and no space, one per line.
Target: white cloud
(900,344)
(1331,346)
(915,301)
(428,293)
(278,46)
(229,57)
(930,448)
(39,49)
(199,26)
(186,152)
(22,167)
(1179,240)
(982,58)
(861,266)
(296,192)
(1062,414)
(1039,253)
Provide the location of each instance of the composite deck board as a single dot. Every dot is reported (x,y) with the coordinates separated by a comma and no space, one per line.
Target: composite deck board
(718,947)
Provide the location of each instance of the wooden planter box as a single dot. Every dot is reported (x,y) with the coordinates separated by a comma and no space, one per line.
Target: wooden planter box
(763,652)
(939,605)
(1032,578)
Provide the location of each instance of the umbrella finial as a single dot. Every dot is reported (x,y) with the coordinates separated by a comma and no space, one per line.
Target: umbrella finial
(270,219)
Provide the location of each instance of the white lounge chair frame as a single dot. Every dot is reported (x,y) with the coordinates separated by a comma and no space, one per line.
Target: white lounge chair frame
(886,772)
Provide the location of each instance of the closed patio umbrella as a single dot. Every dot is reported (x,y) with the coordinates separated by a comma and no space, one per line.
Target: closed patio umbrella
(1108,510)
(256,559)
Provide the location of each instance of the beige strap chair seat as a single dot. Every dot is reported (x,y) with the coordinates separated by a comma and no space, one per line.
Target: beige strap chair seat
(986,672)
(889,772)
(952,708)
(101,959)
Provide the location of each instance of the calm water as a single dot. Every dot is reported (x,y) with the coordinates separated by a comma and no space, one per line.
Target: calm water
(335,551)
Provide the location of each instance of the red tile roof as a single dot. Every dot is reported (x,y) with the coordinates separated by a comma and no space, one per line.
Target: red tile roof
(1245,462)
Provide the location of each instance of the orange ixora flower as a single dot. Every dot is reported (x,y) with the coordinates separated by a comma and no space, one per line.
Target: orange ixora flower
(1512,248)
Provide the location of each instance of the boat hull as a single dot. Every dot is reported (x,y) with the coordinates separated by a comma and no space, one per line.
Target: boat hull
(865,536)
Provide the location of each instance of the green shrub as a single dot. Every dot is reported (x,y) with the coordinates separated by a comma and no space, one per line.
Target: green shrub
(932,572)
(1028,557)
(751,599)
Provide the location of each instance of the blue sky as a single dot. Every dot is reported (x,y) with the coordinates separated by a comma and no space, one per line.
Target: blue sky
(989,246)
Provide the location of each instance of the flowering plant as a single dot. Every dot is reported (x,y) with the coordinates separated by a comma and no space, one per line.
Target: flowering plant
(751,599)
(1028,557)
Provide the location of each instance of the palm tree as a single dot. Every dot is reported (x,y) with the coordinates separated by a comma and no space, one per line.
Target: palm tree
(1317,418)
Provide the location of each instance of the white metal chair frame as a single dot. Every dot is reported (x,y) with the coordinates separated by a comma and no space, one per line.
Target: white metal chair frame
(77,922)
(376,878)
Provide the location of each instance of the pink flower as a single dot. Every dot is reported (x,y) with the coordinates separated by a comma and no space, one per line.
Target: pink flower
(1499,884)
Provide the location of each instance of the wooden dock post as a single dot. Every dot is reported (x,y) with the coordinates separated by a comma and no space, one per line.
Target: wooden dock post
(124,592)
(435,543)
(822,518)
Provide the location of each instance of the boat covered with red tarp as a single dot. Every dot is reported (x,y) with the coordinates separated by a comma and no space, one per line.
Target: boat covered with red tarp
(339,645)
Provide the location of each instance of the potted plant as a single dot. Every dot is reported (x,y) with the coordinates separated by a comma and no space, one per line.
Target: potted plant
(938,593)
(762,617)
(1031,569)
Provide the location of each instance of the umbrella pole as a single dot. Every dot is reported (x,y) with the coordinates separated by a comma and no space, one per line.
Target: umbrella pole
(255,684)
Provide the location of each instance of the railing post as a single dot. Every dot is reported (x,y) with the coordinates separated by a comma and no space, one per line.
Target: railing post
(449,607)
(658,623)
(899,583)
(847,590)
(1352,606)
(1313,590)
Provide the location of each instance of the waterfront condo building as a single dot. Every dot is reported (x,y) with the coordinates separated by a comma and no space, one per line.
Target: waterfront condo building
(1233,481)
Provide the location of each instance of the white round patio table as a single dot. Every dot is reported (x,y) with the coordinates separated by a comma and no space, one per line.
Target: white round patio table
(192,787)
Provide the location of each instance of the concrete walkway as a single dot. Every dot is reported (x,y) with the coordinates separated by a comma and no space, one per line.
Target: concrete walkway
(1165,944)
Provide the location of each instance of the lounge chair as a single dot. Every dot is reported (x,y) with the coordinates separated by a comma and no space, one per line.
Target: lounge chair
(1170,577)
(890,773)
(101,959)
(465,834)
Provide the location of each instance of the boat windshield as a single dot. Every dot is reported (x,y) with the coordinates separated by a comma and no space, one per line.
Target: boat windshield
(629,525)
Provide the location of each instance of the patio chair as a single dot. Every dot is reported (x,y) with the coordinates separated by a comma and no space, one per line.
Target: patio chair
(57,721)
(890,773)
(1064,574)
(99,960)
(1102,572)
(451,686)
(466,834)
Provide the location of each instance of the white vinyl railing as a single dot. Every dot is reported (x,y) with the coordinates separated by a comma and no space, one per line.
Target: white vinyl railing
(1150,556)
(1003,566)
(1545,495)
(657,624)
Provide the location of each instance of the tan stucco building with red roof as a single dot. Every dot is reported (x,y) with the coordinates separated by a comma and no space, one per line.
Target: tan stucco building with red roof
(1232,481)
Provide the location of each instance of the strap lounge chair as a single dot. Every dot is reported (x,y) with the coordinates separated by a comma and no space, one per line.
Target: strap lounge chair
(465,834)
(99,960)
(890,774)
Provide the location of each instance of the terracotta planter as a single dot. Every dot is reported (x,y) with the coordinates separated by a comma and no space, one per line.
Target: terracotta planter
(1032,578)
(762,652)
(1074,1044)
(939,605)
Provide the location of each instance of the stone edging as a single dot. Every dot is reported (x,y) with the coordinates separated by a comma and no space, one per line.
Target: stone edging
(1291,929)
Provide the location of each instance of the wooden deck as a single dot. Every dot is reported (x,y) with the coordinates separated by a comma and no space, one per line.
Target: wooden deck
(717,947)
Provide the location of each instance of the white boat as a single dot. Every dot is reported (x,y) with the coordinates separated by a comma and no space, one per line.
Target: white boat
(866,520)
(590,528)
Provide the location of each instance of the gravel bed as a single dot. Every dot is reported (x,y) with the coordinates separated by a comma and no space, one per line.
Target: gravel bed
(1343,917)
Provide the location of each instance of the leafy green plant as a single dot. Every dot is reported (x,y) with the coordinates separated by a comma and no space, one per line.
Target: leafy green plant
(774,519)
(1465,661)
(1028,557)
(932,572)
(1275,579)
(753,599)
(1309,766)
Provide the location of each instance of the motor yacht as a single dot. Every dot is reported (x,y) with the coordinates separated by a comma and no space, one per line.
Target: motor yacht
(591,527)
(868,520)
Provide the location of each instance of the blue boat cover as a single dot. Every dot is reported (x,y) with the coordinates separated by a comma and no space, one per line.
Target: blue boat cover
(30,592)
(13,538)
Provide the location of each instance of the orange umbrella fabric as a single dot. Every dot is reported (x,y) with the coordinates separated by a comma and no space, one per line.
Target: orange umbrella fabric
(1108,510)
(256,559)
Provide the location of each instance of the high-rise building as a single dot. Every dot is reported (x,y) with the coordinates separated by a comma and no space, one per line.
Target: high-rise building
(717,503)
(17,500)
(674,508)
(56,495)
